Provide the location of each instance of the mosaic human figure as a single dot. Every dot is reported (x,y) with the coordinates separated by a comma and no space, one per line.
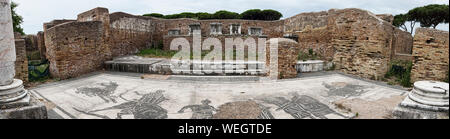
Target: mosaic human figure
(202,111)
(147,107)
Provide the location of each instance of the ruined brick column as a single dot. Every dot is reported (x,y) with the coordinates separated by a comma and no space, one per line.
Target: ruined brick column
(281,58)
(15,102)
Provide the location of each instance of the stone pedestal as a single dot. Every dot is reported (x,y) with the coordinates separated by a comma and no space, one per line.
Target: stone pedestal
(15,101)
(428,100)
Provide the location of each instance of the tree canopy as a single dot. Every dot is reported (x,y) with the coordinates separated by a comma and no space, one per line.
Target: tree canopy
(253,14)
(154,15)
(428,16)
(17,19)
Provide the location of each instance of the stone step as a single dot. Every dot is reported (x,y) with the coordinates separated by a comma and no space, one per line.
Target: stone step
(215,78)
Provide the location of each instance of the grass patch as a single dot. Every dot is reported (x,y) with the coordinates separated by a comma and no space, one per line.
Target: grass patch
(399,73)
(156,53)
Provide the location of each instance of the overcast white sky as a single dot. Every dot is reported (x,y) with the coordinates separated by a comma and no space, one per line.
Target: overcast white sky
(36,12)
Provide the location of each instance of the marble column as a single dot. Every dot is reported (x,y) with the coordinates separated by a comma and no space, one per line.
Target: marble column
(12,92)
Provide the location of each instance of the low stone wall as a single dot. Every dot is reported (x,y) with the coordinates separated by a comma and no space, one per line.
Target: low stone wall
(310,66)
(430,52)
(287,58)
(21,60)
(76,48)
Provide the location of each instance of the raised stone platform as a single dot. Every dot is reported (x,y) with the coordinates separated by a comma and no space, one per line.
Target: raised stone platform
(137,64)
(34,110)
(428,100)
(312,66)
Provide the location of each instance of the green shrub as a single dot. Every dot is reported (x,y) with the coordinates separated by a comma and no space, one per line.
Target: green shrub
(311,55)
(401,70)
(158,15)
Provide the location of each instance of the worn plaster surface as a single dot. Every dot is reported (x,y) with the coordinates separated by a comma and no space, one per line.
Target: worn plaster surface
(127,96)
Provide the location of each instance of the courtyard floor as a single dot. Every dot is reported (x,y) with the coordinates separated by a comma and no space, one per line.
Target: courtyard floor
(113,95)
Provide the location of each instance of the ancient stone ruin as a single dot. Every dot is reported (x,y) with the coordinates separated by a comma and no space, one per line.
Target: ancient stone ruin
(355,41)
(428,100)
(430,54)
(15,101)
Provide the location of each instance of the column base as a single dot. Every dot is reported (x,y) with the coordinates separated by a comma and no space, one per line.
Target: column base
(26,108)
(410,109)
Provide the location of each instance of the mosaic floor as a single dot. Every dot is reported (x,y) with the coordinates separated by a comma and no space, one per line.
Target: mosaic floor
(117,96)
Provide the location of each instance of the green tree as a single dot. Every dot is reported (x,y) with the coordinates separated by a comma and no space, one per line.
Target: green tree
(400,20)
(226,15)
(17,19)
(204,16)
(271,15)
(252,14)
(430,15)
(158,15)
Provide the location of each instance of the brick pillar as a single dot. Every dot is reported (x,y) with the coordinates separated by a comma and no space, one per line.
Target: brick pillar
(285,52)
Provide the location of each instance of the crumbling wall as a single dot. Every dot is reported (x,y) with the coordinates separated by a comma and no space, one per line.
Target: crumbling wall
(97,14)
(21,64)
(386,17)
(270,29)
(362,41)
(76,48)
(317,39)
(287,58)
(129,34)
(403,42)
(55,23)
(301,21)
(31,42)
(430,52)
(221,38)
(41,44)
(402,45)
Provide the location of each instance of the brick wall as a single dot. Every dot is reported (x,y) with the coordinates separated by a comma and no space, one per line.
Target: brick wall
(403,42)
(41,44)
(430,52)
(363,42)
(301,21)
(129,34)
(317,39)
(287,58)
(76,48)
(21,60)
(270,29)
